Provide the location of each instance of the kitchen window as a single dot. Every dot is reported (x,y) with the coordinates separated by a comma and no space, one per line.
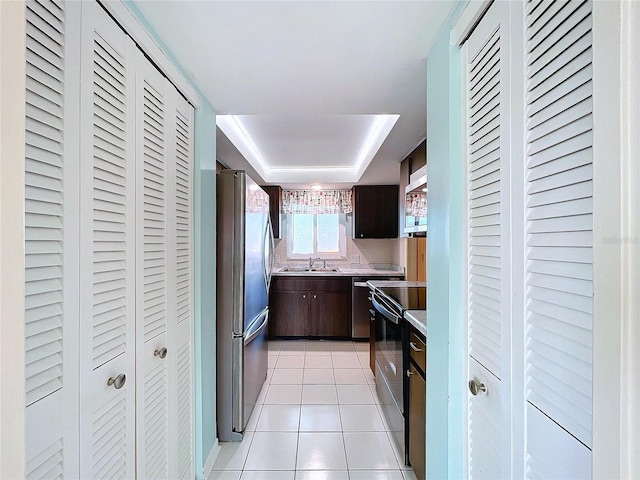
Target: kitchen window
(316,235)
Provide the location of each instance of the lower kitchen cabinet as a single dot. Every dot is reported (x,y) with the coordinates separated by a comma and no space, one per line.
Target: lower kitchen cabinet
(329,314)
(417,421)
(310,307)
(289,314)
(417,403)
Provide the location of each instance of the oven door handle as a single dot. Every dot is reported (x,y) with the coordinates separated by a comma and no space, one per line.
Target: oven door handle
(379,305)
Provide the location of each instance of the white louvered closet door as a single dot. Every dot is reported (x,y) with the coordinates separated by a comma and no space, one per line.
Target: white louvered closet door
(180,323)
(488,160)
(559,240)
(107,250)
(151,272)
(49,245)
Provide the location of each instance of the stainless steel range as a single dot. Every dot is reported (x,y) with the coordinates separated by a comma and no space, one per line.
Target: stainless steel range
(390,302)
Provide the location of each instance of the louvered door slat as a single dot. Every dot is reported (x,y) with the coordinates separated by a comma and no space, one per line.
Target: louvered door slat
(559,228)
(107,240)
(109,429)
(47,464)
(153,219)
(110,195)
(155,457)
(181,383)
(154,215)
(184,413)
(43,204)
(487,240)
(44,240)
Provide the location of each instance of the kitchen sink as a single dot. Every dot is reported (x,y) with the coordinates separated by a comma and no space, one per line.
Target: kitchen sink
(307,269)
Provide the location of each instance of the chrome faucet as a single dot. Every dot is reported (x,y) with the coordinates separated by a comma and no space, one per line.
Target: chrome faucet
(312,261)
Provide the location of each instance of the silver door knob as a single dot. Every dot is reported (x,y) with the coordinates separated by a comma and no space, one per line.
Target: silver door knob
(476,387)
(160,352)
(409,373)
(314,296)
(117,382)
(304,296)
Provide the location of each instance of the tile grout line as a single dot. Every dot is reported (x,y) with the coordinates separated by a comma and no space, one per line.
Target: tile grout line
(340,351)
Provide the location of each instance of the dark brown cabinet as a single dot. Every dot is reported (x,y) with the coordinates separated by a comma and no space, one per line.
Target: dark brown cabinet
(310,307)
(289,314)
(375,211)
(417,421)
(417,402)
(329,314)
(275,196)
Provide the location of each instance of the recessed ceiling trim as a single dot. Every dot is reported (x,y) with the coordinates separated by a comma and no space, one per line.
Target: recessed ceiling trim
(233,129)
(380,127)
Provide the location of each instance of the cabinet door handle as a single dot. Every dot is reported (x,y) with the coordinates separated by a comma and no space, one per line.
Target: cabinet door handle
(314,296)
(409,373)
(304,296)
(476,387)
(117,382)
(160,352)
(414,347)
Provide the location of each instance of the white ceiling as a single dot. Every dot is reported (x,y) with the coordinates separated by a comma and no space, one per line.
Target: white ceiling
(285,139)
(306,74)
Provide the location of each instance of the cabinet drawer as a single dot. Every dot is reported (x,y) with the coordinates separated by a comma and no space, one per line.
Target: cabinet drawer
(418,350)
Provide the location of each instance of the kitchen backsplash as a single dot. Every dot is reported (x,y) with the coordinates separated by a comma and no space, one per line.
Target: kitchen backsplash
(387,250)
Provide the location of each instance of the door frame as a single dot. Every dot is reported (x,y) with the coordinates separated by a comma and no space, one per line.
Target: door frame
(630,438)
(616,384)
(12,137)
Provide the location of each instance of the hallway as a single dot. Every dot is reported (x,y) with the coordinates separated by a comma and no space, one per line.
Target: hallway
(317,418)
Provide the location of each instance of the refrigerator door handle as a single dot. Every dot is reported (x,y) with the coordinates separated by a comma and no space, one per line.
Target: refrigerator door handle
(269,245)
(251,335)
(273,250)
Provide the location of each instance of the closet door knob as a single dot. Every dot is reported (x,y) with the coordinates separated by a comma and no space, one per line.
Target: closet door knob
(160,352)
(476,387)
(117,382)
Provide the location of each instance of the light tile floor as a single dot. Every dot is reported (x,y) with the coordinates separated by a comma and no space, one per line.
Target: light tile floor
(317,418)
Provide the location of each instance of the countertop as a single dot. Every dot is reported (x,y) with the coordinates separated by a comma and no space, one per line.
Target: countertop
(343,272)
(417,318)
(395,283)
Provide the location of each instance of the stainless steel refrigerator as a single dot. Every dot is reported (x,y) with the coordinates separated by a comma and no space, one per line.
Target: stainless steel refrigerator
(244,265)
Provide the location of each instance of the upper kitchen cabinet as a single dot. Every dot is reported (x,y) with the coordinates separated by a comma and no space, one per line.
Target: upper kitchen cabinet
(413,197)
(375,211)
(275,196)
(410,165)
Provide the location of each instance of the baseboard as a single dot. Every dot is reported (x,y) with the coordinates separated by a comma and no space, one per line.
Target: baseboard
(211,459)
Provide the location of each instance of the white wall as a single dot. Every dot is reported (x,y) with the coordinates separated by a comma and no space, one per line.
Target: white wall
(371,250)
(12,114)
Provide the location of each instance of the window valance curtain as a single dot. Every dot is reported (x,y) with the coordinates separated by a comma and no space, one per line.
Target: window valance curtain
(416,205)
(316,201)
